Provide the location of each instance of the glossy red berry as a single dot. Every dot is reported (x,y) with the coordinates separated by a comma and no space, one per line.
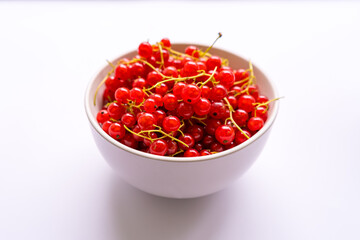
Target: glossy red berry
(208,140)
(172,147)
(146,121)
(150,105)
(112,83)
(190,68)
(196,131)
(185,110)
(240,137)
(102,116)
(139,83)
(116,110)
(117,131)
(212,62)
(137,95)
(191,153)
(188,140)
(158,99)
(262,99)
(128,120)
(191,93)
(170,102)
(161,89)
(122,72)
(241,74)
(255,123)
(226,78)
(159,147)
(153,77)
(178,88)
(122,95)
(260,111)
(225,134)
(166,42)
(218,92)
(204,152)
(202,107)
(192,51)
(240,116)
(246,102)
(217,110)
(145,50)
(136,70)
(171,123)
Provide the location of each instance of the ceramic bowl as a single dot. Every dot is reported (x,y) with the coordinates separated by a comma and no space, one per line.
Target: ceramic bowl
(179,177)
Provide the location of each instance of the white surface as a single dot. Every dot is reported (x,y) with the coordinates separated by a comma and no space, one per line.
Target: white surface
(55,185)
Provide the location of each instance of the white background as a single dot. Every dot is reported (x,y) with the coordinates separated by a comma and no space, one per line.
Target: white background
(55,185)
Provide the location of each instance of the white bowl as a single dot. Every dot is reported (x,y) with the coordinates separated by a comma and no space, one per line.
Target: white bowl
(179,177)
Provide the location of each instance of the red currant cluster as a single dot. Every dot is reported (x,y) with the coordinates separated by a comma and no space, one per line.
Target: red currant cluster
(188,104)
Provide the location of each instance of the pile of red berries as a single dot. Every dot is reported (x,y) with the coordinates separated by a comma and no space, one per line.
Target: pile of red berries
(187,104)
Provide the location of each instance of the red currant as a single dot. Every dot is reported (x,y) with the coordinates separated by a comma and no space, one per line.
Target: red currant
(159,147)
(146,121)
(225,134)
(102,116)
(145,50)
(255,123)
(117,131)
(171,123)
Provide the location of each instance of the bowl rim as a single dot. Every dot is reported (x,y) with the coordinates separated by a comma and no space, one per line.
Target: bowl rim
(94,124)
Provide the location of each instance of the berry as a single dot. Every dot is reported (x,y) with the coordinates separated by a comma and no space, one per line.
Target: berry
(196,132)
(185,110)
(226,78)
(172,147)
(122,95)
(171,123)
(166,42)
(191,93)
(225,134)
(170,102)
(191,153)
(240,137)
(212,62)
(240,116)
(102,116)
(218,92)
(246,102)
(192,51)
(145,50)
(190,68)
(146,121)
(116,131)
(150,105)
(128,120)
(255,123)
(116,110)
(202,107)
(159,147)
(188,140)
(137,95)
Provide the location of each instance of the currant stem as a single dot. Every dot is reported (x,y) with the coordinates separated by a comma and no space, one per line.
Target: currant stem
(208,49)
(138,134)
(232,119)
(209,79)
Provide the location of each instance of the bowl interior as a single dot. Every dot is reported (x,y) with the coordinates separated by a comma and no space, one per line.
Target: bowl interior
(93,106)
